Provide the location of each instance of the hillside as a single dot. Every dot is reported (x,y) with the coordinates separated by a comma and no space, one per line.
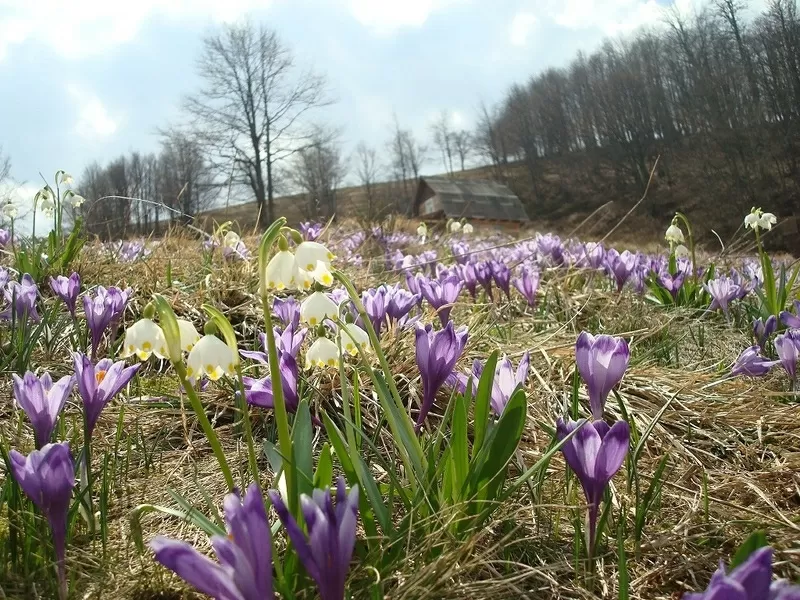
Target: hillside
(571,188)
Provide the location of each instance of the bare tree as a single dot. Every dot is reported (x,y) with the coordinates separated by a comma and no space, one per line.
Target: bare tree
(318,169)
(462,143)
(406,157)
(368,171)
(443,138)
(251,110)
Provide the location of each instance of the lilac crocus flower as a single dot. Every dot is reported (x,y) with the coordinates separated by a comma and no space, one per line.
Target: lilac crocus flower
(47,477)
(437,353)
(287,341)
(722,291)
(327,551)
(602,362)
(400,303)
(244,571)
(483,273)
(100,310)
(412,283)
(762,330)
(671,283)
(42,401)
(98,384)
(67,288)
(505,382)
(752,364)
(502,277)
(441,295)
(310,231)
(374,301)
(258,392)
(527,283)
(788,347)
(287,310)
(751,580)
(5,237)
(595,454)
(792,320)
(621,266)
(21,296)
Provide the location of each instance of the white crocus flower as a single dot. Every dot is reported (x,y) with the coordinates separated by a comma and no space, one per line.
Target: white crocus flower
(674,235)
(76,200)
(10,211)
(322,274)
(353,338)
(317,307)
(189,335)
(681,251)
(308,254)
(322,353)
(211,357)
(281,271)
(467,229)
(455,227)
(143,339)
(767,220)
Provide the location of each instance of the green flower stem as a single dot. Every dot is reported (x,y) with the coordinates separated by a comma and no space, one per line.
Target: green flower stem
(248,428)
(281,415)
(205,424)
(87,458)
(683,218)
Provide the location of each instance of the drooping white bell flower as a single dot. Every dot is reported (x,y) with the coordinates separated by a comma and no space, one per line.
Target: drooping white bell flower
(422,231)
(282,271)
(189,335)
(467,229)
(674,235)
(681,251)
(455,226)
(10,211)
(317,307)
(66,178)
(751,220)
(322,274)
(143,339)
(322,353)
(231,239)
(308,254)
(211,357)
(767,220)
(76,200)
(353,338)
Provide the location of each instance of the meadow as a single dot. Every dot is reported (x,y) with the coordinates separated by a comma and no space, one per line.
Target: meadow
(462,413)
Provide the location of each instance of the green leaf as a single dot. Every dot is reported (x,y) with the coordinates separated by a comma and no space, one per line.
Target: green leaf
(649,496)
(756,540)
(483,396)
(302,440)
(622,561)
(324,473)
(459,443)
(195,517)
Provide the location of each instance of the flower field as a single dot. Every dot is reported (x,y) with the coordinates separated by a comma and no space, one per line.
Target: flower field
(461,413)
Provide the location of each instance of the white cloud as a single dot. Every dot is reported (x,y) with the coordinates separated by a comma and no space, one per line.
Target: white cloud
(385,17)
(81,28)
(610,16)
(94,120)
(521,26)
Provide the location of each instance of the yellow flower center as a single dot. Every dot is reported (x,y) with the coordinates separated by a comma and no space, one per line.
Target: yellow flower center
(99,376)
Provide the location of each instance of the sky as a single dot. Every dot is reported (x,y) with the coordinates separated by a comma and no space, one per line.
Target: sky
(89,80)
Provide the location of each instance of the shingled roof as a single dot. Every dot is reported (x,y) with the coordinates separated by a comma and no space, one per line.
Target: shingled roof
(471,199)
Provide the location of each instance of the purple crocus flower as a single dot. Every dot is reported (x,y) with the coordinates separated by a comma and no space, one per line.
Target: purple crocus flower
(437,353)
(595,454)
(310,231)
(751,580)
(722,291)
(5,237)
(502,277)
(762,330)
(98,384)
(483,273)
(441,295)
(327,551)
(469,277)
(602,362)
(752,364)
(21,296)
(42,401)
(67,288)
(258,392)
(287,310)
(527,283)
(47,477)
(595,255)
(788,347)
(400,303)
(412,283)
(621,266)
(505,382)
(671,283)
(244,571)
(792,320)
(287,341)
(374,301)
(100,309)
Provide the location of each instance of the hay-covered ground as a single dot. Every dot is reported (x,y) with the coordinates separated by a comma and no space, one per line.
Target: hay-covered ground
(732,444)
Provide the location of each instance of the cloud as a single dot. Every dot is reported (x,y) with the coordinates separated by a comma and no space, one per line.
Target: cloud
(612,17)
(94,120)
(82,28)
(385,17)
(521,26)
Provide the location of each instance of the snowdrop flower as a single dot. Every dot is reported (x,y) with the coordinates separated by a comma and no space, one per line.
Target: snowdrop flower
(143,339)
(422,231)
(231,239)
(321,274)
(467,229)
(353,338)
(10,211)
(681,251)
(282,271)
(189,335)
(66,178)
(317,307)
(211,357)
(759,220)
(455,227)
(308,254)
(674,235)
(76,200)
(322,353)
(767,220)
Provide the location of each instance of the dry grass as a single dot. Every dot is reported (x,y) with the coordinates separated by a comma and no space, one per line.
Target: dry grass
(735,438)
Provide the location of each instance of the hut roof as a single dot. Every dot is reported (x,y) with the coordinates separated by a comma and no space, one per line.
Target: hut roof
(472,199)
